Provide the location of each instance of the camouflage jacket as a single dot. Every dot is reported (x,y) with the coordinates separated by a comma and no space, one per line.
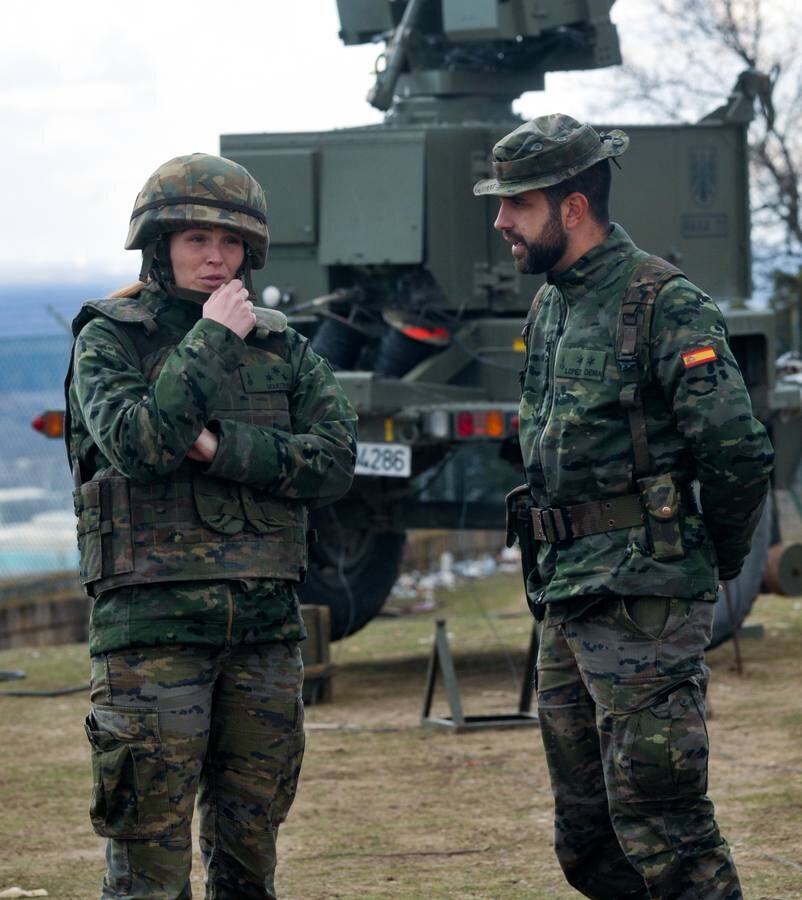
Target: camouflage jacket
(577,445)
(125,423)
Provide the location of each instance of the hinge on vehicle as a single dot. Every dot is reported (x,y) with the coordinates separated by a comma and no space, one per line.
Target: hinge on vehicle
(480,164)
(500,278)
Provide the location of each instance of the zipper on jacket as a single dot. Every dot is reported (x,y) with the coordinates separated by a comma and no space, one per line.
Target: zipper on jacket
(553,348)
(230,622)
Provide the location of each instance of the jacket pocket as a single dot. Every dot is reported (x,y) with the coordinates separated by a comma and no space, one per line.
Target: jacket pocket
(130,797)
(661,500)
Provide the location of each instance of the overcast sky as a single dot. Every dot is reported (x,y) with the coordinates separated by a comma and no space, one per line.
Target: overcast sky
(95,95)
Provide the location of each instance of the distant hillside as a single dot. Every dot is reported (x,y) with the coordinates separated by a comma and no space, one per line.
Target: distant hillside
(34,309)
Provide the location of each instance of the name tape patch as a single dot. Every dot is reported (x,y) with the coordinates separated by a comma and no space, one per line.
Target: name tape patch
(698,357)
(578,363)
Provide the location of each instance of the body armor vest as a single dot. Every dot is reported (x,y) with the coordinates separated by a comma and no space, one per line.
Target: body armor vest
(188,526)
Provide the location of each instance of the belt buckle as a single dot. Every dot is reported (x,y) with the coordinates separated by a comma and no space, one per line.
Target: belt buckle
(556,524)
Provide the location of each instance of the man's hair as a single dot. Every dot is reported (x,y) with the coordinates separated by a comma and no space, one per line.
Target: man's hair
(594,183)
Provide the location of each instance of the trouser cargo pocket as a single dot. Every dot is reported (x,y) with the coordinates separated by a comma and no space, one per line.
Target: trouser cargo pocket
(659,739)
(129,778)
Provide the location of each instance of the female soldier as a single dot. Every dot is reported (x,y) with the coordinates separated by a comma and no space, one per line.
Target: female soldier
(199,431)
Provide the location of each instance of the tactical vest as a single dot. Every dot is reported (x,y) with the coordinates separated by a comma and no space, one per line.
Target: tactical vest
(188,525)
(655,499)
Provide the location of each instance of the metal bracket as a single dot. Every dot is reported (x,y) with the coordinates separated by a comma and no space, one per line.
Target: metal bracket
(441,660)
(481,164)
(501,278)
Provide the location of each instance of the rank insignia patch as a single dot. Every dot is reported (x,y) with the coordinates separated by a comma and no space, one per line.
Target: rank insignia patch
(696,357)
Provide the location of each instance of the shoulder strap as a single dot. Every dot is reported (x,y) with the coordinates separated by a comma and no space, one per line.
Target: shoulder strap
(632,348)
(538,299)
(124,310)
(533,311)
(120,311)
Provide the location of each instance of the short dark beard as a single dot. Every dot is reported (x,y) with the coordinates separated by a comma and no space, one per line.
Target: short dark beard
(544,254)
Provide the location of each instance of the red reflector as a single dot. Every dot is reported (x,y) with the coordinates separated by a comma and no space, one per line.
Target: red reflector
(495,423)
(464,424)
(515,423)
(50,423)
(419,333)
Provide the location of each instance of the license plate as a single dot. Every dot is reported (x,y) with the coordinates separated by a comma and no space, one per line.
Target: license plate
(394,460)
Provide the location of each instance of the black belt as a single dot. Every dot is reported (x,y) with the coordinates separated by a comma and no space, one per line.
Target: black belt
(554,524)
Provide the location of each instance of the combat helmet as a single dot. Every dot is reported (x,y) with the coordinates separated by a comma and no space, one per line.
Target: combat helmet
(198,189)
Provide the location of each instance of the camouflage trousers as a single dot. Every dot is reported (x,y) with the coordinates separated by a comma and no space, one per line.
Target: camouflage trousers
(621,702)
(169,725)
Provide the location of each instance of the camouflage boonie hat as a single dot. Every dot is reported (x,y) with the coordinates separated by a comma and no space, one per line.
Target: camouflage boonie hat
(201,189)
(546,151)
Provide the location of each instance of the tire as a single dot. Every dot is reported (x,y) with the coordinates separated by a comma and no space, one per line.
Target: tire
(735,601)
(351,571)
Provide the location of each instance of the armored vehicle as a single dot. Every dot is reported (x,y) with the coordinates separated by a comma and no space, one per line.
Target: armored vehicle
(380,252)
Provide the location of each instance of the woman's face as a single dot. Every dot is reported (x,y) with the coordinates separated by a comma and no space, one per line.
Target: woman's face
(205,258)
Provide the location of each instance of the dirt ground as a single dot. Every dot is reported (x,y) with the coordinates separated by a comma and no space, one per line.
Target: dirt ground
(386,808)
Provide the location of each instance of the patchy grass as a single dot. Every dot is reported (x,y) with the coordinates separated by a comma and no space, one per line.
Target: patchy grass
(387,809)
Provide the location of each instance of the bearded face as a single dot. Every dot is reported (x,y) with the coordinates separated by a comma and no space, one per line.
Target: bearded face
(546,250)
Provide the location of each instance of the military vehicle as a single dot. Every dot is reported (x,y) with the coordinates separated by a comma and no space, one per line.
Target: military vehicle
(383,256)
(381,253)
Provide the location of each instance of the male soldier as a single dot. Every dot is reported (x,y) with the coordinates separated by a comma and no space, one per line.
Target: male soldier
(199,432)
(630,397)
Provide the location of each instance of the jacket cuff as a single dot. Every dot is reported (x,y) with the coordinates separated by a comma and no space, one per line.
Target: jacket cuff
(727,573)
(237,454)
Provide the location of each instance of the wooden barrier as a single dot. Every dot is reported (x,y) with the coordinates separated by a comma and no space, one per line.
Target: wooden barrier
(53,609)
(43,610)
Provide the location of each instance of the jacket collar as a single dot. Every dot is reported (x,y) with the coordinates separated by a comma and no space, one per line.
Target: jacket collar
(600,266)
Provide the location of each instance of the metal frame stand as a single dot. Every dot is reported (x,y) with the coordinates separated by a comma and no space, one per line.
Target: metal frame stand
(442,661)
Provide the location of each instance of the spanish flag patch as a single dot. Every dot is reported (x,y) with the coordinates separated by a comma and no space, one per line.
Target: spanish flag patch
(697,357)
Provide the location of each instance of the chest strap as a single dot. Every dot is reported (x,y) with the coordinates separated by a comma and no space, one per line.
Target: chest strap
(554,524)
(632,349)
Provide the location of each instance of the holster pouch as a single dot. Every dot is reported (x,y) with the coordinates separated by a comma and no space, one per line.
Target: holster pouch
(661,497)
(519,524)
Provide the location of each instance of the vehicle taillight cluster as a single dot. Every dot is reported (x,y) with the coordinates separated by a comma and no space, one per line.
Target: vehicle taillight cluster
(474,422)
(50,423)
(484,423)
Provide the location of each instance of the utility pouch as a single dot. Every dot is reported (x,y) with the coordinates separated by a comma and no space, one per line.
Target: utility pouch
(217,504)
(519,524)
(86,501)
(103,508)
(263,513)
(660,496)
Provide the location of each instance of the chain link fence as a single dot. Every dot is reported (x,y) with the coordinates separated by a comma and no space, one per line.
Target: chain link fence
(37,527)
